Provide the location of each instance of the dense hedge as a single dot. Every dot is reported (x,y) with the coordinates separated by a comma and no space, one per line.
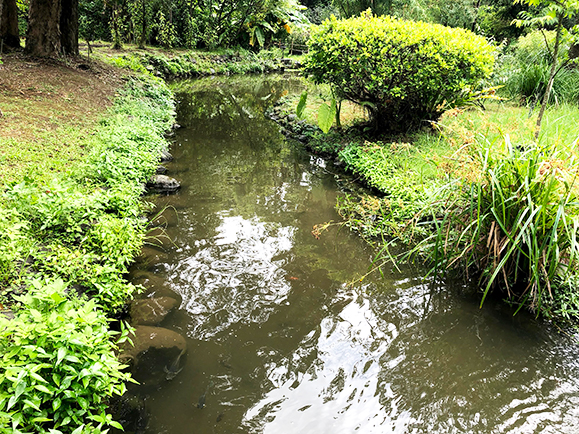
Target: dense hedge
(403,72)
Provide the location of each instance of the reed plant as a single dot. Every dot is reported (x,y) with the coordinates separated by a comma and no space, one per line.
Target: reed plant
(515,224)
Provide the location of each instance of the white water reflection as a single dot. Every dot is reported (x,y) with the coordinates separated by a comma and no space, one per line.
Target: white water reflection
(234,278)
(340,391)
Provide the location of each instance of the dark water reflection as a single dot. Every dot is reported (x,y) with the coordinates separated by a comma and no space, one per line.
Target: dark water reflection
(279,339)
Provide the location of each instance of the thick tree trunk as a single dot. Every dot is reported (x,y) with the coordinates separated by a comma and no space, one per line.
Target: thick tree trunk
(69,27)
(43,36)
(9,23)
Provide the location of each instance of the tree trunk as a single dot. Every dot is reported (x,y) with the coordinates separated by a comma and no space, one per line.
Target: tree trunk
(554,71)
(143,37)
(117,45)
(9,23)
(69,27)
(43,35)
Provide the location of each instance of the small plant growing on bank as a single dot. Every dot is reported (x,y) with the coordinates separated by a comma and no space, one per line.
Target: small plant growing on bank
(58,369)
(403,72)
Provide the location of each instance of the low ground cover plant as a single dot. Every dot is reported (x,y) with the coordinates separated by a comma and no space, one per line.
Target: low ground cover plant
(65,247)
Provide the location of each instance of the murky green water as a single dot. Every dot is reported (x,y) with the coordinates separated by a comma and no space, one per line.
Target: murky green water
(279,341)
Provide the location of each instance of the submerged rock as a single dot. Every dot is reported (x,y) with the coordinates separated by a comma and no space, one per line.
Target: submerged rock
(163,183)
(161,170)
(149,338)
(130,411)
(152,255)
(155,349)
(151,311)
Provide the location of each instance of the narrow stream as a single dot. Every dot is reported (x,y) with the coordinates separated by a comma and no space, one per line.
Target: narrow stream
(283,338)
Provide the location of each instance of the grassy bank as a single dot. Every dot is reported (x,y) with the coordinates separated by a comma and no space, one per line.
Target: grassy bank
(194,63)
(68,231)
(471,195)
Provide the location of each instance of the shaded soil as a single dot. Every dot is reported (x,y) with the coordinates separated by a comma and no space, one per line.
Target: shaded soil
(47,107)
(44,93)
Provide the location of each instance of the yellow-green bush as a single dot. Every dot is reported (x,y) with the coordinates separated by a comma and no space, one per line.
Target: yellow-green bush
(404,72)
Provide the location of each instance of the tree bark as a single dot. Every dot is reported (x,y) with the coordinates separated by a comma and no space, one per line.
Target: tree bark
(9,23)
(43,35)
(552,74)
(69,27)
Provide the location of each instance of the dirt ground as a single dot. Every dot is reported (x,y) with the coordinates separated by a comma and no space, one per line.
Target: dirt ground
(45,93)
(47,108)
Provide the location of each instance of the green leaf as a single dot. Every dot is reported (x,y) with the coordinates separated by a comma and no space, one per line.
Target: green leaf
(33,403)
(13,399)
(56,404)
(326,116)
(78,430)
(20,388)
(60,355)
(37,377)
(57,298)
(83,402)
(43,388)
(259,36)
(116,425)
(302,104)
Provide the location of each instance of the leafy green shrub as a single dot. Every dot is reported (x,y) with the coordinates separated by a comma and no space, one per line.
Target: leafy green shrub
(517,226)
(403,72)
(58,368)
(62,211)
(97,276)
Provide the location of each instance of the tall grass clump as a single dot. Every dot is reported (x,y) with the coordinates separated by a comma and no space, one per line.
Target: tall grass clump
(516,225)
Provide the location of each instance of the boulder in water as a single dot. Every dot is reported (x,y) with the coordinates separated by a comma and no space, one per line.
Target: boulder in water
(155,348)
(163,183)
(151,311)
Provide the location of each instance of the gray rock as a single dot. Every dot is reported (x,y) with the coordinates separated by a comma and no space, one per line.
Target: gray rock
(292,118)
(7,313)
(151,311)
(161,170)
(163,183)
(166,156)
